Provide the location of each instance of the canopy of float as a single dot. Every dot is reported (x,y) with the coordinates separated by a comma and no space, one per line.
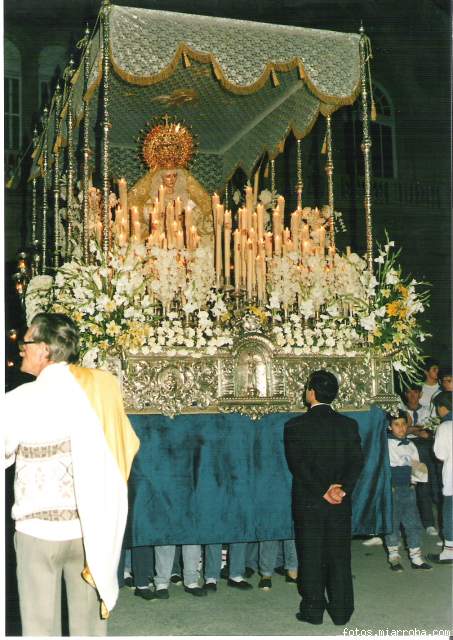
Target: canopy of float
(241,86)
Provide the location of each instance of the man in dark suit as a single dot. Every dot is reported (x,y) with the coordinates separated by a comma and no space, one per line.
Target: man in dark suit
(325,458)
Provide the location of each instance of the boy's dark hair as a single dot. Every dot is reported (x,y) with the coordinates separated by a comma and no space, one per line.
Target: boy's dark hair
(443,399)
(430,362)
(444,373)
(60,333)
(412,386)
(324,384)
(395,415)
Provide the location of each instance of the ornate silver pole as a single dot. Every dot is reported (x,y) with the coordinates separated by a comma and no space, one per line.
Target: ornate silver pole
(34,210)
(366,146)
(300,182)
(45,161)
(56,178)
(273,182)
(70,152)
(86,148)
(106,128)
(329,172)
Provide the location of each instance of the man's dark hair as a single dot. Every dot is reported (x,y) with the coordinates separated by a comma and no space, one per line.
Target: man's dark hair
(60,333)
(430,362)
(443,399)
(444,373)
(324,384)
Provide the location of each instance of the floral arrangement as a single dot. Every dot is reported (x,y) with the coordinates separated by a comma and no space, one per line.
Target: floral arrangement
(149,300)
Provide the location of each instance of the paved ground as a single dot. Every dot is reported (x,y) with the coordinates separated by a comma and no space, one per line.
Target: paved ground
(412,600)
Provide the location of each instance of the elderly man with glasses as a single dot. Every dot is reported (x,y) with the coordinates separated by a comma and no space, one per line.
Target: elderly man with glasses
(73,446)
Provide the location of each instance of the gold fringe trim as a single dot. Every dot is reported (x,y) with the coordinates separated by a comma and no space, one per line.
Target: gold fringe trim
(275,80)
(208,58)
(373,111)
(324,146)
(86,575)
(186,60)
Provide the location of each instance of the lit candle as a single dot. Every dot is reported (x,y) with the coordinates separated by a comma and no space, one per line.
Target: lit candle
(278,245)
(348,251)
(178,208)
(276,221)
(249,198)
(268,244)
(260,223)
(249,268)
(322,239)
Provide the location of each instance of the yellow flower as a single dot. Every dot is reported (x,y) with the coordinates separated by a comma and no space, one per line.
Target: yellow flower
(95,330)
(112,329)
(104,345)
(392,308)
(403,290)
(225,316)
(377,333)
(387,346)
(110,306)
(58,308)
(77,316)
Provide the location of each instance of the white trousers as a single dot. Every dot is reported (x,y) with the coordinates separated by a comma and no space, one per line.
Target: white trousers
(40,567)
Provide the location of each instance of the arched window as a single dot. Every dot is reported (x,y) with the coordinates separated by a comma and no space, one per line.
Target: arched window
(52,60)
(13,97)
(382,132)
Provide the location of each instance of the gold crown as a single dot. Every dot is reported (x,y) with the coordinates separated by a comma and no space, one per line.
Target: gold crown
(168,146)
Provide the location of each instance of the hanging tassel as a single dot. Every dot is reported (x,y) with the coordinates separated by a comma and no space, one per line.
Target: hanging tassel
(186,60)
(216,71)
(266,170)
(324,146)
(301,71)
(275,80)
(373,111)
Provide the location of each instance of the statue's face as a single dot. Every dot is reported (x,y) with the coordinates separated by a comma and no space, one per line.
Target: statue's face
(169,180)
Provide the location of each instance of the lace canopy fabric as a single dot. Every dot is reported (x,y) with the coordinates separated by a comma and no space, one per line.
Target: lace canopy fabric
(242,87)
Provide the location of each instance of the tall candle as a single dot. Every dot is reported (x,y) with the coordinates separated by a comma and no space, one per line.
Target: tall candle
(249,198)
(249,268)
(260,223)
(276,221)
(161,198)
(278,245)
(178,208)
(227,232)
(237,259)
(268,244)
(322,239)
(122,190)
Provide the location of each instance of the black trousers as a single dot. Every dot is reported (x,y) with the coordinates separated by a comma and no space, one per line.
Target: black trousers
(323,543)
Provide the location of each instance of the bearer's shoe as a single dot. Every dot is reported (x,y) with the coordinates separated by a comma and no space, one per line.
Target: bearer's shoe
(303,618)
(144,593)
(196,591)
(265,584)
(162,594)
(249,572)
(290,579)
(176,579)
(424,566)
(210,586)
(396,566)
(375,541)
(432,531)
(243,585)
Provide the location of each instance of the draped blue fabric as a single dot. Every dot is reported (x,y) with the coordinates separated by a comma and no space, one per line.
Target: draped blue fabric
(209,478)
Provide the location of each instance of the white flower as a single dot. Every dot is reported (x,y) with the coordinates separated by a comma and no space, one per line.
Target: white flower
(380,259)
(368,323)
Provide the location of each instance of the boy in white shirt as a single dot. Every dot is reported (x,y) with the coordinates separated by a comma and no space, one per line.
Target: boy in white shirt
(443,448)
(406,470)
(431,383)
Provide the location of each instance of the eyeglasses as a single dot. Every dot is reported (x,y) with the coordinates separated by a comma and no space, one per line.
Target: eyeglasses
(22,343)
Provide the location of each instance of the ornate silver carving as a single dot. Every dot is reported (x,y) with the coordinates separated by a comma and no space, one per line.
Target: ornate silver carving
(251,378)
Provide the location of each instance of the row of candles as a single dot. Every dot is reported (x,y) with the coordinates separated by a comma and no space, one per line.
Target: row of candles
(169,225)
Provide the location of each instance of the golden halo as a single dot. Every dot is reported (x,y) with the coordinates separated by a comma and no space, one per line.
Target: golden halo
(168,146)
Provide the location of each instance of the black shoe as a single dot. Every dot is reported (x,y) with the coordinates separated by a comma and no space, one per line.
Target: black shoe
(162,594)
(265,583)
(249,572)
(397,567)
(146,594)
(196,591)
(210,586)
(424,566)
(242,584)
(290,579)
(129,582)
(280,571)
(303,618)
(435,557)
(176,579)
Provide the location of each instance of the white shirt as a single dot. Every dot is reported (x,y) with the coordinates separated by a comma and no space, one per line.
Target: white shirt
(38,423)
(443,449)
(428,390)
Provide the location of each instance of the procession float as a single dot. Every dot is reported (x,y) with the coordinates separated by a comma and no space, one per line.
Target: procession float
(204,298)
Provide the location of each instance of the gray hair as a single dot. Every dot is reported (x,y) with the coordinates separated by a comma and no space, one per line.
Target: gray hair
(60,333)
